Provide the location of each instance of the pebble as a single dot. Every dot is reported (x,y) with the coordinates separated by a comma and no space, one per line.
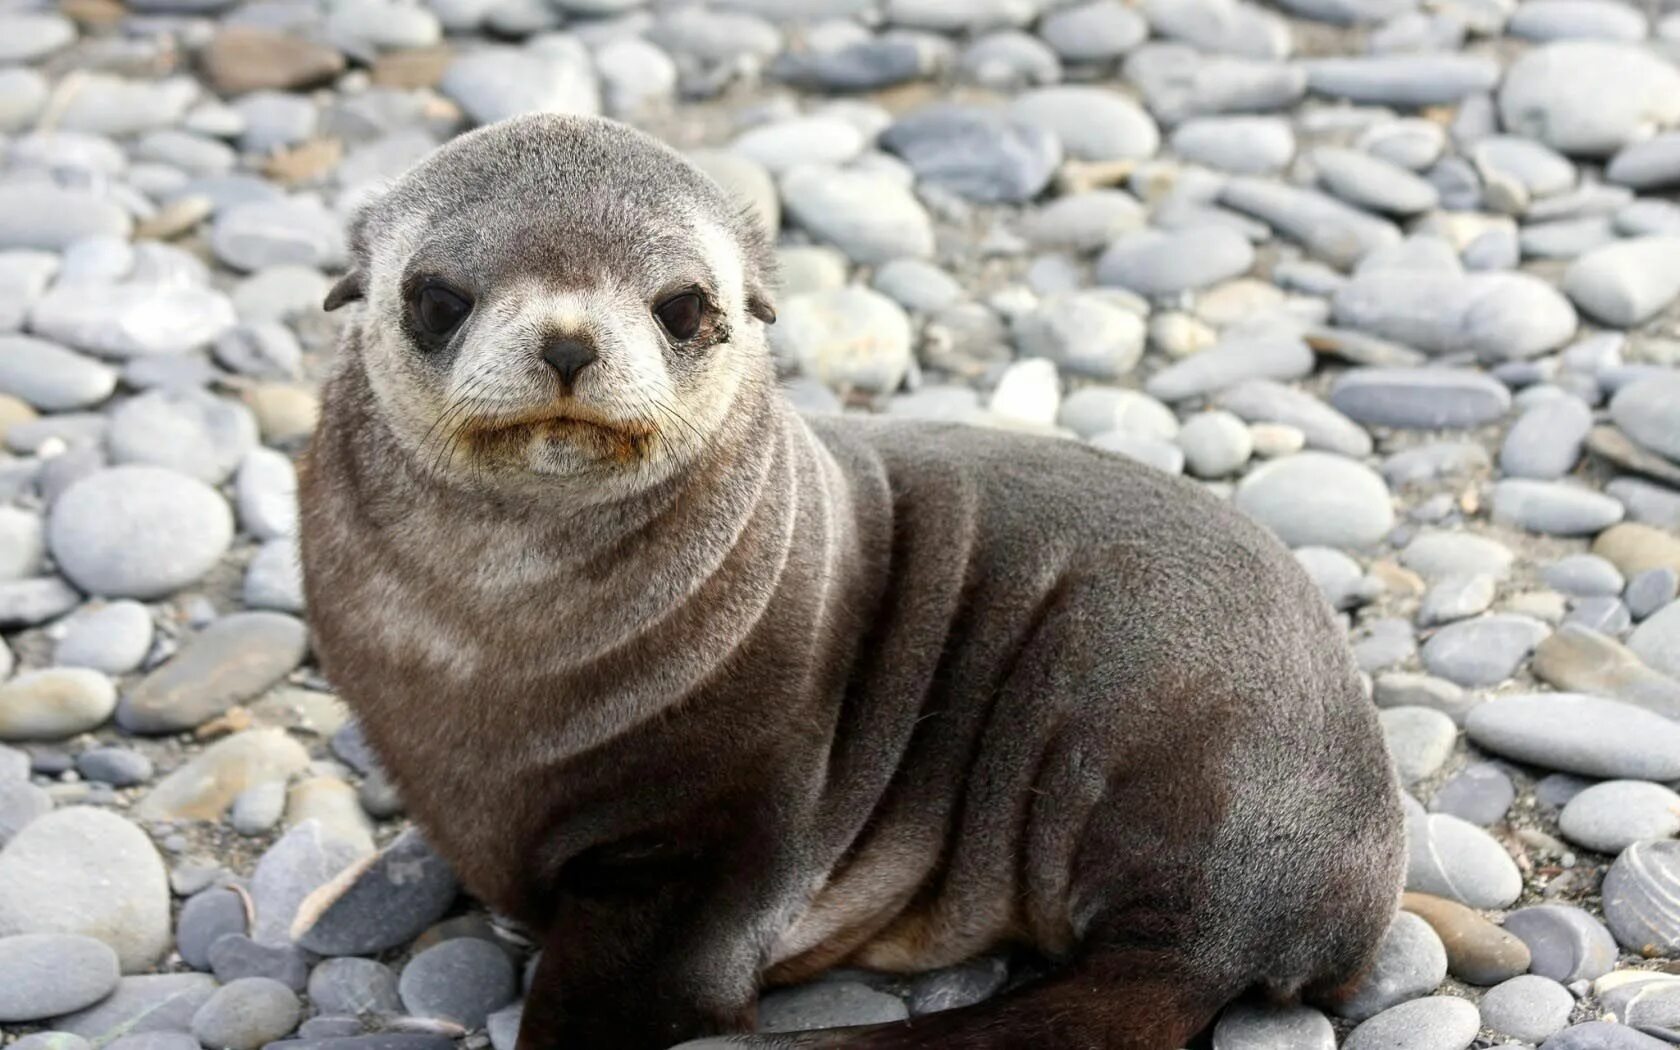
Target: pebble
(1546,441)
(1454,859)
(382,903)
(1084,221)
(138,531)
(1496,316)
(1483,651)
(1648,411)
(1554,508)
(51,218)
(1634,548)
(1481,794)
(977,153)
(1328,228)
(1419,739)
(1248,1026)
(205,918)
(50,377)
(258,808)
(332,803)
(247,1014)
(235,957)
(1405,689)
(495,83)
(1420,398)
(48,974)
(131,320)
(1084,332)
(1410,962)
(1371,182)
(1627,282)
(116,766)
(1652,590)
(1090,122)
(20,803)
(1574,733)
(870,217)
(1587,97)
(54,703)
(1603,1035)
(1530,1008)
(847,337)
(462,980)
(1611,816)
(1322,427)
(113,637)
(356,987)
(1406,81)
(1456,598)
(1097,31)
(1156,263)
(1230,362)
(1478,952)
(1315,498)
(827,1004)
(234,659)
(204,787)
(1641,891)
(1215,443)
(87,871)
(140,1005)
(1434,1023)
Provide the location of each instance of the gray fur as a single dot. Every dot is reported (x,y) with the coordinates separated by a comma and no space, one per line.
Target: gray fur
(775,694)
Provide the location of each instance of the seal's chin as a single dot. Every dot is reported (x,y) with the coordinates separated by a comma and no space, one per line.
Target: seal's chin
(559,439)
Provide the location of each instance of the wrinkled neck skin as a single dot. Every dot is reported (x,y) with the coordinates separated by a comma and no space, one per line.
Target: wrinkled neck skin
(514,589)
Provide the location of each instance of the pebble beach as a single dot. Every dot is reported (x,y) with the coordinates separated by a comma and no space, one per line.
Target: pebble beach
(1398,278)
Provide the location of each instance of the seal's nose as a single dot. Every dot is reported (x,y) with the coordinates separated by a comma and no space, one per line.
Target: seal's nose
(568,357)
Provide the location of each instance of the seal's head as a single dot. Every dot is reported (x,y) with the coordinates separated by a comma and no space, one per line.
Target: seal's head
(557,296)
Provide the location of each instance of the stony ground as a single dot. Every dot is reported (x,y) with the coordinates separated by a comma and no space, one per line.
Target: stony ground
(1397,277)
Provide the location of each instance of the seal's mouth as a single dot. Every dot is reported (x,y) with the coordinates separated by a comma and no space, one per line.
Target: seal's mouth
(624,441)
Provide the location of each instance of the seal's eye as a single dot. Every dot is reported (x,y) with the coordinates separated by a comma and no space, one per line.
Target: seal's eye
(680,315)
(439,309)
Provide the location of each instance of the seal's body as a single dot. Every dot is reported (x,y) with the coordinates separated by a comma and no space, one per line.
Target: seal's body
(711,695)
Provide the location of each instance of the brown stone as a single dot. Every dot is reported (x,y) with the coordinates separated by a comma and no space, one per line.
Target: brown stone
(1578,659)
(94,14)
(175,219)
(421,67)
(12,412)
(1478,952)
(1633,548)
(1618,448)
(285,411)
(245,58)
(306,162)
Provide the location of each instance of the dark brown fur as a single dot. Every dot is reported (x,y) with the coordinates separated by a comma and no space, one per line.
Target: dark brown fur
(961,689)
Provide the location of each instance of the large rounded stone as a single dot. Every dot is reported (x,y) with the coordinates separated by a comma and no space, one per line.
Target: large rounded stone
(1589,98)
(138,532)
(1642,898)
(1574,733)
(1318,499)
(87,871)
(48,974)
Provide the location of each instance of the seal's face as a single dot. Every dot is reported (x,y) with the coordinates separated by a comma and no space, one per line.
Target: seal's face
(557,297)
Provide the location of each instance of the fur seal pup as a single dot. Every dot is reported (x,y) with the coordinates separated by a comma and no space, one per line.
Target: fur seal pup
(712,696)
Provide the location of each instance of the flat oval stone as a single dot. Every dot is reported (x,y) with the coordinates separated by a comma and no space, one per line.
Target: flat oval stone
(1554,508)
(1648,411)
(1411,81)
(1481,794)
(1642,898)
(1483,651)
(1232,361)
(48,974)
(1530,1007)
(1091,122)
(358,987)
(1589,98)
(1627,282)
(1575,733)
(1612,816)
(974,152)
(206,785)
(1454,859)
(50,377)
(1546,440)
(1603,1035)
(1336,232)
(113,637)
(1565,943)
(1478,952)
(54,703)
(1318,499)
(1420,398)
(1435,1023)
(827,1004)
(1156,263)
(87,871)
(234,659)
(868,216)
(247,1014)
(461,980)
(1497,316)
(138,532)
(141,1005)
(1410,962)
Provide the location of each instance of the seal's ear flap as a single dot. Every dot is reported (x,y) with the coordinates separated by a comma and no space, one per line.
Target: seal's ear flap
(760,306)
(349,289)
(760,259)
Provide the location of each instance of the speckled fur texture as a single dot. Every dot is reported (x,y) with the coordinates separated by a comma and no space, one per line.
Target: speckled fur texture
(713,696)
